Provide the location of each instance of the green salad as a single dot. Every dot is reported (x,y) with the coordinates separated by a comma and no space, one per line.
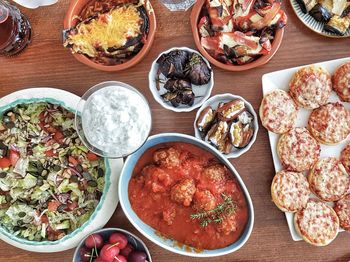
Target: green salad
(50,183)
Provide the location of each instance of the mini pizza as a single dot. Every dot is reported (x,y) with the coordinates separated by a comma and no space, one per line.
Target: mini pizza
(341,82)
(345,158)
(317,223)
(342,208)
(330,123)
(290,191)
(311,87)
(278,112)
(329,180)
(298,150)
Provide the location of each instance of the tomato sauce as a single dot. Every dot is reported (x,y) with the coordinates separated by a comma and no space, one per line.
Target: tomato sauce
(186,194)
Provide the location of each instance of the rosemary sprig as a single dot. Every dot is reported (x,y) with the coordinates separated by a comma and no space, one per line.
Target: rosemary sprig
(216,215)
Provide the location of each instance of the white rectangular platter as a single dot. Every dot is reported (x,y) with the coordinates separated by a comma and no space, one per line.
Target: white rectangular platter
(280,79)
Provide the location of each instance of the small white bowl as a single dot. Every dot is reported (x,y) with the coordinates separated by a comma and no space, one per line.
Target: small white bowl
(213,102)
(202,92)
(35,3)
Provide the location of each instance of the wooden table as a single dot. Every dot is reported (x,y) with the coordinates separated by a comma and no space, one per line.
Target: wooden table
(46,63)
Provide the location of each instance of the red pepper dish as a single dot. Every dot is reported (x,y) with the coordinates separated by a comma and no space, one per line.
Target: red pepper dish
(186,194)
(239,31)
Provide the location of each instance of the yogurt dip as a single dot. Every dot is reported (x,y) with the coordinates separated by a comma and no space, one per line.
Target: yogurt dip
(116,119)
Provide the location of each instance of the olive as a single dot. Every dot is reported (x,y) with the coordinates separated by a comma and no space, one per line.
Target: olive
(56,168)
(87,176)
(3,174)
(40,181)
(21,214)
(100,172)
(61,207)
(79,168)
(16,228)
(92,183)
(74,179)
(8,198)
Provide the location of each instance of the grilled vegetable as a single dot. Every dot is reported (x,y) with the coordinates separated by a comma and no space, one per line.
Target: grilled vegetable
(173,64)
(197,70)
(320,13)
(307,5)
(338,25)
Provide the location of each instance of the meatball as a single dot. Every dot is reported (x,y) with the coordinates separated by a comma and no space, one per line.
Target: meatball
(168,157)
(215,173)
(156,179)
(183,192)
(228,224)
(204,200)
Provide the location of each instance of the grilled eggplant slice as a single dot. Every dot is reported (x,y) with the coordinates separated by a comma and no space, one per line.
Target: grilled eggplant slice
(338,25)
(306,5)
(320,13)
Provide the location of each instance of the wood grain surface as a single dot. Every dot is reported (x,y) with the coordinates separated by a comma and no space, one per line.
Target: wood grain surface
(47,64)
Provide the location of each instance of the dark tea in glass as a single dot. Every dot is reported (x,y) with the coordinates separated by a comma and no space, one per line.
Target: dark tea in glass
(15,30)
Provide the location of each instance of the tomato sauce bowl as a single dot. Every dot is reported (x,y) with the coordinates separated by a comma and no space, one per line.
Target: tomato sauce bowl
(159,232)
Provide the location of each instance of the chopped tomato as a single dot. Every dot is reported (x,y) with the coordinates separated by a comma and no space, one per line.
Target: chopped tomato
(44,219)
(14,156)
(50,153)
(73,161)
(42,116)
(5,162)
(71,206)
(53,205)
(58,136)
(92,157)
(51,129)
(50,142)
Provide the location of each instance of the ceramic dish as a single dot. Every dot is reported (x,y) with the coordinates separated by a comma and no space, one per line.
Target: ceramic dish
(196,11)
(136,242)
(35,3)
(109,199)
(312,24)
(148,231)
(202,92)
(76,7)
(213,102)
(280,79)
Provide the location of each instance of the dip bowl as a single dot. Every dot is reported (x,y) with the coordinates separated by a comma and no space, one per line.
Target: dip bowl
(150,232)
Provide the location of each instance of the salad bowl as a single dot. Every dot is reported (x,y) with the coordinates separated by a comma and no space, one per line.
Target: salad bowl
(108,201)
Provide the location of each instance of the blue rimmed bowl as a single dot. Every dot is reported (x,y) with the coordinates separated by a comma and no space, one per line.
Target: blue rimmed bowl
(150,232)
(109,199)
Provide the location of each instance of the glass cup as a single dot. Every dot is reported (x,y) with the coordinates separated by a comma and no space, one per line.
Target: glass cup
(178,5)
(15,30)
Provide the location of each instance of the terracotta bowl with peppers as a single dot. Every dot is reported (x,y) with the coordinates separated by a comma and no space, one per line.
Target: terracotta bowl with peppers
(111,245)
(238,35)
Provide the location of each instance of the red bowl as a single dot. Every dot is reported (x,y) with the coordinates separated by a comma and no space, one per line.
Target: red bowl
(76,7)
(197,8)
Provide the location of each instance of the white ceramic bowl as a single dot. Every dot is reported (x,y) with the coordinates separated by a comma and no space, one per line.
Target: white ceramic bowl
(35,3)
(150,232)
(213,102)
(109,199)
(202,92)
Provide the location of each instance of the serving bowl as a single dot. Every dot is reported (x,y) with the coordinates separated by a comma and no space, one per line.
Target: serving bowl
(74,10)
(150,232)
(35,3)
(86,99)
(213,102)
(109,199)
(136,242)
(196,11)
(202,92)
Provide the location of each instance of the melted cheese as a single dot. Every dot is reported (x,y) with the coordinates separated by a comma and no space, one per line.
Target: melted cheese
(107,30)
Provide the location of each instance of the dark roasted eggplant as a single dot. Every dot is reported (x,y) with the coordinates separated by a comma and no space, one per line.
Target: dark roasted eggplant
(338,25)
(320,13)
(173,64)
(174,85)
(306,5)
(198,72)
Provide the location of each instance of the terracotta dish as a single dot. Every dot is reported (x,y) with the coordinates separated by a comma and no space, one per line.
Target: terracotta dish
(74,10)
(195,16)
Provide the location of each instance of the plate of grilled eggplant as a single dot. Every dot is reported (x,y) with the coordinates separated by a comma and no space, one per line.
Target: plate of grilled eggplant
(330,18)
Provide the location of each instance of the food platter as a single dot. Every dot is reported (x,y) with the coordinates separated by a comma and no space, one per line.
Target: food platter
(312,24)
(109,199)
(280,80)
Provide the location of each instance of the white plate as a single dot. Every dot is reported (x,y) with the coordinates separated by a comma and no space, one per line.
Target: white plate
(214,102)
(314,25)
(280,79)
(35,3)
(109,199)
(202,92)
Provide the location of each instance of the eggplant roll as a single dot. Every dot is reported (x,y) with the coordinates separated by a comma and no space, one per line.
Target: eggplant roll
(338,25)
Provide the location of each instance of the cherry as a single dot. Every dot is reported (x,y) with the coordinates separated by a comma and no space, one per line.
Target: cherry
(94,240)
(137,256)
(108,252)
(118,238)
(127,250)
(119,258)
